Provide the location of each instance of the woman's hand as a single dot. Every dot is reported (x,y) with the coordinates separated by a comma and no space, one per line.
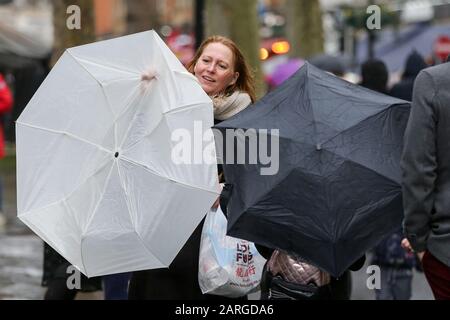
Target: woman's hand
(217,202)
(420,255)
(407,246)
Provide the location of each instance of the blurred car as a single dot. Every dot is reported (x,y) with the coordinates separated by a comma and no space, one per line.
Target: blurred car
(273,47)
(182,45)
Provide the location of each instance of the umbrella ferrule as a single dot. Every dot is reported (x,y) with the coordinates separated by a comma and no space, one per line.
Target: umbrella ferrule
(318,146)
(148,75)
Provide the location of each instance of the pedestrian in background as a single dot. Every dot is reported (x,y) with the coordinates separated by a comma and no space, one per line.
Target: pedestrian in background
(404,89)
(115,286)
(396,266)
(426,177)
(374,75)
(61,281)
(6,104)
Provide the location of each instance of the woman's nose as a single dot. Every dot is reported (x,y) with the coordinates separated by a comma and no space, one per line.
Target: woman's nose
(211,67)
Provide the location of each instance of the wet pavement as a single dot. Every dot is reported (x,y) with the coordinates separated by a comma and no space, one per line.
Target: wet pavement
(420,288)
(21,252)
(20,267)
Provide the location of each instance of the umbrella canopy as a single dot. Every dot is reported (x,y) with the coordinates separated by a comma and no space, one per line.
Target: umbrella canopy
(337,190)
(337,65)
(285,70)
(95,174)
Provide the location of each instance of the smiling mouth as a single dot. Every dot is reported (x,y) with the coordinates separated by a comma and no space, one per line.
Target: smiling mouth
(208,79)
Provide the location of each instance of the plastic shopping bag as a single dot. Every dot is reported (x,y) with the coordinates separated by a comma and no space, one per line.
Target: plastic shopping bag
(228,266)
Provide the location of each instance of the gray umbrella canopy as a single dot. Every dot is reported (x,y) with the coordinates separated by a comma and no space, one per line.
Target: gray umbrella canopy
(337,190)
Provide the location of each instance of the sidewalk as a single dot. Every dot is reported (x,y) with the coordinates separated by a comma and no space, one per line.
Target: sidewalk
(20,267)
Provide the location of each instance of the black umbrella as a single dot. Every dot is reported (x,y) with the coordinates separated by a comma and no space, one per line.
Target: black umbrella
(334,64)
(337,190)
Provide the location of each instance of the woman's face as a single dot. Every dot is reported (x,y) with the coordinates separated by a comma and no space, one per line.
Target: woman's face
(215,68)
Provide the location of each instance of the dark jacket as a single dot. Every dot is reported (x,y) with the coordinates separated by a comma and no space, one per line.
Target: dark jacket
(6,103)
(56,267)
(414,64)
(178,282)
(389,253)
(426,164)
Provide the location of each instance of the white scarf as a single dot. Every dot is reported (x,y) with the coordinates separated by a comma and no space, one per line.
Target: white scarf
(227,106)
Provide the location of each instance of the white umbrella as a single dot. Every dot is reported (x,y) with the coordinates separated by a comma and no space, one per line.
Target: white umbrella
(95,176)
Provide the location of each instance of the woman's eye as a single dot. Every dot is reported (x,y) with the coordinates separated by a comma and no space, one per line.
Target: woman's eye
(222,66)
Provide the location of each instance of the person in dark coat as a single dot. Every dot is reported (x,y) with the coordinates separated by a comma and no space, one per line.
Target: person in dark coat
(225,76)
(404,89)
(58,274)
(374,75)
(426,177)
(6,104)
(395,265)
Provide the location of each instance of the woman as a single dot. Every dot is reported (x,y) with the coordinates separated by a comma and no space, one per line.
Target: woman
(225,76)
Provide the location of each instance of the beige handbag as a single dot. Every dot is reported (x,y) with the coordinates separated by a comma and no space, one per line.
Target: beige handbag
(294,270)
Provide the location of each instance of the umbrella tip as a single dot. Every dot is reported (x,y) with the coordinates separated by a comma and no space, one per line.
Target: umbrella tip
(319,147)
(148,75)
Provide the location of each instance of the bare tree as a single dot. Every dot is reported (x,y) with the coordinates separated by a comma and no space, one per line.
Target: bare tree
(218,17)
(304,27)
(142,15)
(65,36)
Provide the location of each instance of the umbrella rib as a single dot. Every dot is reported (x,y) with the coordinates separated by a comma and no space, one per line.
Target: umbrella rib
(187,107)
(381,201)
(147,168)
(111,109)
(104,93)
(186,74)
(65,133)
(69,208)
(129,211)
(103,65)
(376,172)
(69,195)
(173,111)
(148,250)
(95,79)
(97,205)
(177,89)
(130,125)
(343,131)
(129,102)
(122,184)
(306,86)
